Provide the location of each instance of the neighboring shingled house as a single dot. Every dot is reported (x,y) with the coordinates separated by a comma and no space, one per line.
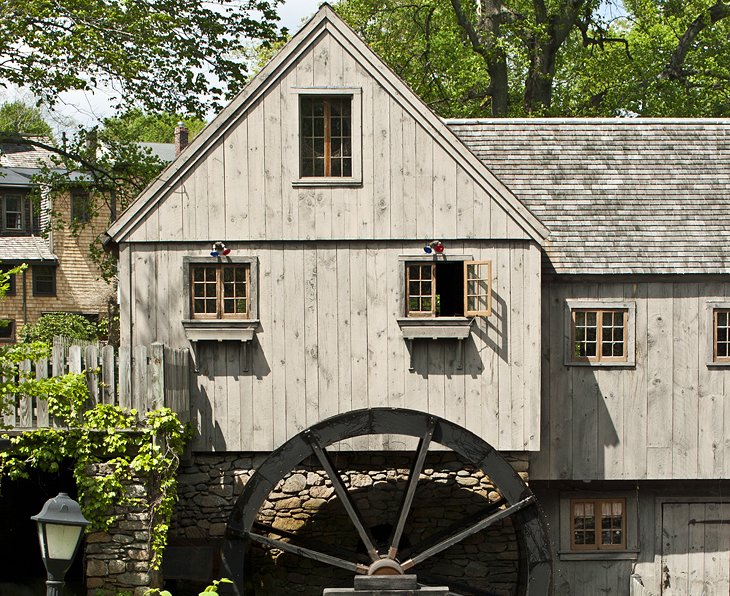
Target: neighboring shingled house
(571,309)
(60,276)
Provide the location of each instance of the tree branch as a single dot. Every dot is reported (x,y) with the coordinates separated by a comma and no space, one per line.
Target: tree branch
(675,68)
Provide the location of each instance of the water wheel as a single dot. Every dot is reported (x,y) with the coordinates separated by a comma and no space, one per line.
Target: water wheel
(515,502)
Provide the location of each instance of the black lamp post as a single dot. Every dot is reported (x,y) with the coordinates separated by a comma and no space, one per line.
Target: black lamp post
(60,527)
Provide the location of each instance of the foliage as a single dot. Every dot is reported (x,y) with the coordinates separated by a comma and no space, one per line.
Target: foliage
(129,448)
(477,58)
(211,590)
(137,126)
(59,323)
(19,118)
(160,54)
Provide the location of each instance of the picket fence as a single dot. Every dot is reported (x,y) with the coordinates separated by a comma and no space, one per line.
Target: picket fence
(139,377)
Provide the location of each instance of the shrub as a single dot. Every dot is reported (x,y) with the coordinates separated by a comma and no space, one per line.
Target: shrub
(59,323)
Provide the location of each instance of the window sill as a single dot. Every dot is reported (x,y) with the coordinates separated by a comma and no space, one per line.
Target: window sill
(326,182)
(435,328)
(599,555)
(220,329)
(717,364)
(600,364)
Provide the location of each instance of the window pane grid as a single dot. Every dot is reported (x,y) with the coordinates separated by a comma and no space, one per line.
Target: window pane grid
(420,290)
(599,335)
(722,334)
(219,291)
(326,136)
(476,288)
(598,524)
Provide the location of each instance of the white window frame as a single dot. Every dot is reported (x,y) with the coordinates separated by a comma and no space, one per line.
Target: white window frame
(629,332)
(357,141)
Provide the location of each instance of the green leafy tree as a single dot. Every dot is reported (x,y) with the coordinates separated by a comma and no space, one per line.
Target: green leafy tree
(135,125)
(19,118)
(160,54)
(560,57)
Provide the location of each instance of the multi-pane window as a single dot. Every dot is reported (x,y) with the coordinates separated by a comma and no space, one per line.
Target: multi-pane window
(7,330)
(11,280)
(721,349)
(80,206)
(13,212)
(17,216)
(220,291)
(326,136)
(598,524)
(44,280)
(599,335)
(448,289)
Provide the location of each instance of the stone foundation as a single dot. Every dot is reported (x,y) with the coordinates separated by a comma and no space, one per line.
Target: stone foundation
(449,493)
(119,561)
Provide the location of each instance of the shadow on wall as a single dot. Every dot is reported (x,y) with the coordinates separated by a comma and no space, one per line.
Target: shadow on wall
(441,357)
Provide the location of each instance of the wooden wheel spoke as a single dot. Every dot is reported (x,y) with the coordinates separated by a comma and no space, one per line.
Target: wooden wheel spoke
(407,501)
(306,542)
(454,528)
(344,496)
(307,552)
(480,525)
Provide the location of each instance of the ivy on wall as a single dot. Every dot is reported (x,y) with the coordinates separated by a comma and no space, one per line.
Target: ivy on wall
(129,447)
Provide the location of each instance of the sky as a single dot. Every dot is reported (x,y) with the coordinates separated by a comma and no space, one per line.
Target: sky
(87,109)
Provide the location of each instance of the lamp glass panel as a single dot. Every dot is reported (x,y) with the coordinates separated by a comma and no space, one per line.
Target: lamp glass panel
(62,540)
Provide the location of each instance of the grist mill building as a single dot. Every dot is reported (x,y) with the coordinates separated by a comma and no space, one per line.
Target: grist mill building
(370,293)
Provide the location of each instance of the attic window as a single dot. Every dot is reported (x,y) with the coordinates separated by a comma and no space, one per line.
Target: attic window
(326,136)
(330,143)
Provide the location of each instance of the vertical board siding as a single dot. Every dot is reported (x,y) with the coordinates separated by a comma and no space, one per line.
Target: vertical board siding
(665,417)
(413,187)
(329,342)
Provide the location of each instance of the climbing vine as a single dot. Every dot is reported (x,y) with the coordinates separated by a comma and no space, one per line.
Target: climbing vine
(126,445)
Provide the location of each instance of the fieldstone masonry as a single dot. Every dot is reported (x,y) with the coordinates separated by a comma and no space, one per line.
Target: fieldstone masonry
(119,561)
(304,502)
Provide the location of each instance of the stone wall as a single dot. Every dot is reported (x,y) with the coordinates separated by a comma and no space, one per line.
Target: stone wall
(449,493)
(119,561)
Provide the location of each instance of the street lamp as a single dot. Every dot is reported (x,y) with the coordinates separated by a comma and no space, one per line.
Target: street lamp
(60,526)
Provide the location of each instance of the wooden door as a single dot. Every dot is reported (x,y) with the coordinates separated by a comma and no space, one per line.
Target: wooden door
(695,549)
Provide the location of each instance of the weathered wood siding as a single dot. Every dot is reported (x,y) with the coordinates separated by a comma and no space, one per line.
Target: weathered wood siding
(413,187)
(665,417)
(329,342)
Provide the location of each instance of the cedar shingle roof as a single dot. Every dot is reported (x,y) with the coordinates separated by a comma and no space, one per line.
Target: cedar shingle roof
(619,195)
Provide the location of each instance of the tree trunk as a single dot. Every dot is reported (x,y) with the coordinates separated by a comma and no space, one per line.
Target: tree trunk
(543,51)
(540,76)
(484,40)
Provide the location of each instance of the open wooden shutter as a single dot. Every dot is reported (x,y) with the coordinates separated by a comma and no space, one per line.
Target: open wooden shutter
(477,288)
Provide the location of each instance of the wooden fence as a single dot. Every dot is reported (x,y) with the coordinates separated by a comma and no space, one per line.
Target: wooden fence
(140,377)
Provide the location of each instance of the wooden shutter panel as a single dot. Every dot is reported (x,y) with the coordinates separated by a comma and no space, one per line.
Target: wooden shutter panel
(477,288)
